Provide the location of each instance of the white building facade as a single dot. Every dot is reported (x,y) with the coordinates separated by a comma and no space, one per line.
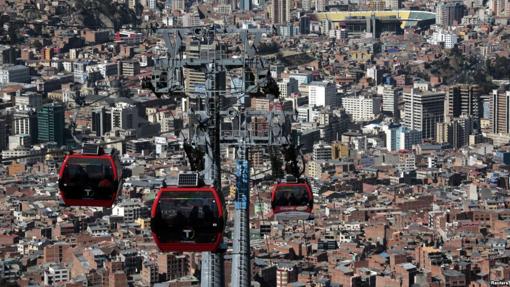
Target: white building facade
(321,94)
(362,108)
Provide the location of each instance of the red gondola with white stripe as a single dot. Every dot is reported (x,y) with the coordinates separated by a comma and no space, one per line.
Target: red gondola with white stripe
(187,219)
(292,200)
(90,178)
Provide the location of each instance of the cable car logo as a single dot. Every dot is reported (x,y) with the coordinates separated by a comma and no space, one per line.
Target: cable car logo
(188,234)
(88,192)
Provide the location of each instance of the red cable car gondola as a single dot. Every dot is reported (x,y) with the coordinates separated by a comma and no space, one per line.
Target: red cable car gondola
(90,178)
(187,219)
(292,200)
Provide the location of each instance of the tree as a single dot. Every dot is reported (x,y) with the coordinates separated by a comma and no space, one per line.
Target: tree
(500,68)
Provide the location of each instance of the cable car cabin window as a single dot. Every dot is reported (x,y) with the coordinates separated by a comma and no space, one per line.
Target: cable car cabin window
(187,217)
(296,195)
(85,178)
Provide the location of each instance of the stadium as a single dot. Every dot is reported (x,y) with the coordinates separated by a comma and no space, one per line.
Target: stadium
(378,21)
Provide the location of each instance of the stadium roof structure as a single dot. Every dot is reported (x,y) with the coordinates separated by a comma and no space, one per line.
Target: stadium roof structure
(409,18)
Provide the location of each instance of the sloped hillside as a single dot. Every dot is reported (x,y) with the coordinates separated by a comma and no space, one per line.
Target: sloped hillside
(97,13)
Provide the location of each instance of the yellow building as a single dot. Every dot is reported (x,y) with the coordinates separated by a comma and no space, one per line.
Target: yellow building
(143,222)
(56,96)
(361,56)
(340,150)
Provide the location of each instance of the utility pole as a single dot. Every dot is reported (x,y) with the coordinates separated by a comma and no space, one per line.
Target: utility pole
(212,271)
(241,267)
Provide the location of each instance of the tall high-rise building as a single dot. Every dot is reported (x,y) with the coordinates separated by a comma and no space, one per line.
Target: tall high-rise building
(280,11)
(24,122)
(101,121)
(304,25)
(124,116)
(306,5)
(3,135)
(80,72)
(390,101)
(194,80)
(500,111)
(7,55)
(423,110)
(393,4)
(245,5)
(285,275)
(320,5)
(455,132)
(178,5)
(321,151)
(401,138)
(449,13)
(362,108)
(465,100)
(50,123)
(288,86)
(152,4)
(499,7)
(322,94)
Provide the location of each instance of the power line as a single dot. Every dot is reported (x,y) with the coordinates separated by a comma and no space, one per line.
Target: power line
(62,25)
(77,107)
(68,150)
(75,116)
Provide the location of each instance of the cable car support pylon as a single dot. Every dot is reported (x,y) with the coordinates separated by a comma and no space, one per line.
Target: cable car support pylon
(168,80)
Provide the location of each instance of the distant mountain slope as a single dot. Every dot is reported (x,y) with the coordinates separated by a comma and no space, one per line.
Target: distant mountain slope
(101,13)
